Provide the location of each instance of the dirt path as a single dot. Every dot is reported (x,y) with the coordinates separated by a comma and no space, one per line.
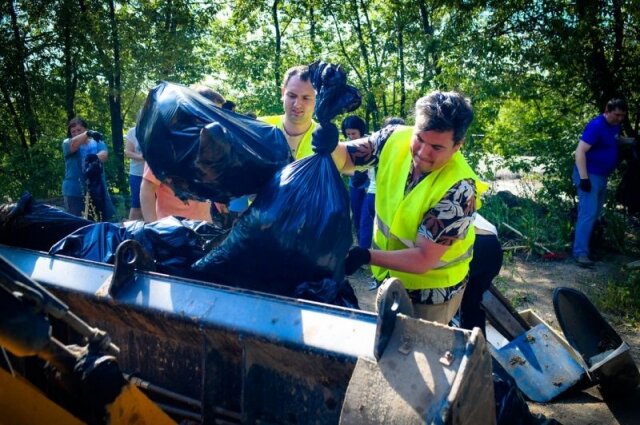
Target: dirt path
(530,284)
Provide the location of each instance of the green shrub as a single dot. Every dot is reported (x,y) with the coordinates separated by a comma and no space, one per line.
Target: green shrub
(622,296)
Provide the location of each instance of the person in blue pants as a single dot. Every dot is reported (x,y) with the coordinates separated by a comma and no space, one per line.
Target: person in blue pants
(596,158)
(354,127)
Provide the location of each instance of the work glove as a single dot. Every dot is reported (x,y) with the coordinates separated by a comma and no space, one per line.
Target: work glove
(356,257)
(94,135)
(585,185)
(324,138)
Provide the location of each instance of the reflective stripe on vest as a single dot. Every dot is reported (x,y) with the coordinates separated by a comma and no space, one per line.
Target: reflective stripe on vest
(304,148)
(398,216)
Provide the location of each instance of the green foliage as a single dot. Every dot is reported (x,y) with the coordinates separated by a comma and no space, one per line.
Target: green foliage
(548,225)
(39,170)
(622,296)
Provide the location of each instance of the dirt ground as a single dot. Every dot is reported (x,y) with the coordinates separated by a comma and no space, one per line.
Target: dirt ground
(529,284)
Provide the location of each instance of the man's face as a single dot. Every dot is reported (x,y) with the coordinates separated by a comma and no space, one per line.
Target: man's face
(299,100)
(76,129)
(431,150)
(615,117)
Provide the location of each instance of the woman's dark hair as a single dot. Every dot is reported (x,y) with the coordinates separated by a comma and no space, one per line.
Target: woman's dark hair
(354,121)
(76,121)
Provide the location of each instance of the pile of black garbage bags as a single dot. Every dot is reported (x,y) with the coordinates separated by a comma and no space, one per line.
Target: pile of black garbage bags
(291,241)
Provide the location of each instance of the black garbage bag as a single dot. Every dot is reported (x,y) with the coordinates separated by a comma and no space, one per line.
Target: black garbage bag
(298,229)
(205,152)
(98,192)
(32,225)
(328,291)
(334,96)
(511,407)
(174,243)
(96,242)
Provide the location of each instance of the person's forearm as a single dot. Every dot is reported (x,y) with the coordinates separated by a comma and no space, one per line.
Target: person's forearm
(130,151)
(103,156)
(148,201)
(581,164)
(134,155)
(408,260)
(76,141)
(341,159)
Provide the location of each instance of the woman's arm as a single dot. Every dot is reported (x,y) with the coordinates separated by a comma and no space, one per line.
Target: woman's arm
(130,151)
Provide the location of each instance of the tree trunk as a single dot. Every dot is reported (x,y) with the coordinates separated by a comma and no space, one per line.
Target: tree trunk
(277,63)
(23,91)
(69,71)
(599,76)
(430,55)
(403,91)
(14,114)
(115,101)
(371,106)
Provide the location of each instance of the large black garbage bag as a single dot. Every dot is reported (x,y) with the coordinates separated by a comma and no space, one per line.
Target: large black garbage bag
(32,225)
(328,291)
(174,243)
(205,152)
(297,230)
(96,242)
(98,192)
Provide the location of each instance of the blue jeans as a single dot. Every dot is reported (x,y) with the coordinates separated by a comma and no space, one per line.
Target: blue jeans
(368,213)
(356,196)
(589,209)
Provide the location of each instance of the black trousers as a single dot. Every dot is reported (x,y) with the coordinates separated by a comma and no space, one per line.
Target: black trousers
(485,265)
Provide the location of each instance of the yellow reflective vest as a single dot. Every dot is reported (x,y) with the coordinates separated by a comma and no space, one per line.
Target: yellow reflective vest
(304,148)
(398,216)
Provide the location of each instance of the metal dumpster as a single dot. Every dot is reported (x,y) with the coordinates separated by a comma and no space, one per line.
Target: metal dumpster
(216,354)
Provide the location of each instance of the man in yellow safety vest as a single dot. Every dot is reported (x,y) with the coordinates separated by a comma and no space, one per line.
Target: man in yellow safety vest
(426,199)
(298,102)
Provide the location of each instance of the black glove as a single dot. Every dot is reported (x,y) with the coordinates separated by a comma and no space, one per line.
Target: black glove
(585,185)
(94,135)
(324,138)
(355,258)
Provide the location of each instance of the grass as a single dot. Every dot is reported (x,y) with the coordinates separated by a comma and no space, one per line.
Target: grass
(621,297)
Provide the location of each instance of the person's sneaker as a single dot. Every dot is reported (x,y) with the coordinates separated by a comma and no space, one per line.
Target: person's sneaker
(584,261)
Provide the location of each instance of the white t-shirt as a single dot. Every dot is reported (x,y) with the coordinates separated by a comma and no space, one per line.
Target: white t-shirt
(483,224)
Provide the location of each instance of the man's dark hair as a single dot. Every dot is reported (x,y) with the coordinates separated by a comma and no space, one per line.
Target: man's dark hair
(209,93)
(354,121)
(616,103)
(444,111)
(74,122)
(302,71)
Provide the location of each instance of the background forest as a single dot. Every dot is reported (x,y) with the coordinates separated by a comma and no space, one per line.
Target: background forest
(536,71)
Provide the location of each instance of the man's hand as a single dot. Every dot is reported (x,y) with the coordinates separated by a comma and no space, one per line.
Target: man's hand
(355,258)
(324,138)
(585,185)
(94,135)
